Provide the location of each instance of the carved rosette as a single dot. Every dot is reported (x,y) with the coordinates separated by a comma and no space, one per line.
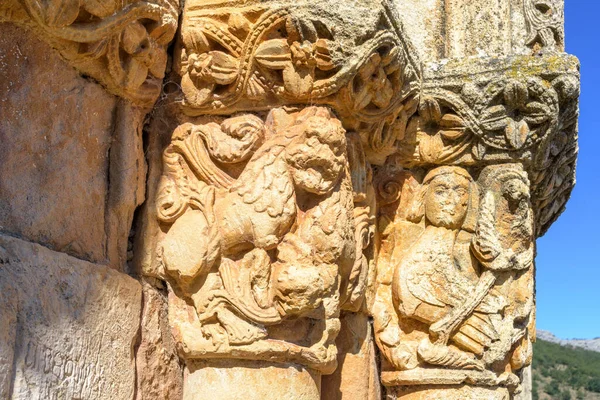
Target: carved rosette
(121,44)
(266,203)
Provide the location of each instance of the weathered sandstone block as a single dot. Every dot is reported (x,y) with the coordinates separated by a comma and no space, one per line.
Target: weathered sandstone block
(68,326)
(55,129)
(159,371)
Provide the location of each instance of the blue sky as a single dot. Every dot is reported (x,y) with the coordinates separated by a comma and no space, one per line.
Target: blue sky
(568,261)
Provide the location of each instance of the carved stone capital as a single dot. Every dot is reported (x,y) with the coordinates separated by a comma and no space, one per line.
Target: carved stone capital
(264,223)
(316,169)
(239,55)
(121,44)
(520,108)
(454,295)
(486,165)
(265,201)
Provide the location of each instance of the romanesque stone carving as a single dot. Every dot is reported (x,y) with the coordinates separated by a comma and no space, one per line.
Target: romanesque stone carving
(454,271)
(272,53)
(544,20)
(315,196)
(455,297)
(266,208)
(281,241)
(312,173)
(122,44)
(521,108)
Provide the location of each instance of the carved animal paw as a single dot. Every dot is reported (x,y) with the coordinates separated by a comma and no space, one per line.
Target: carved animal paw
(446,356)
(401,357)
(240,331)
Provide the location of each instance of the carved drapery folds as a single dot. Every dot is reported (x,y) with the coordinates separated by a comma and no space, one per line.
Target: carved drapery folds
(121,44)
(308,174)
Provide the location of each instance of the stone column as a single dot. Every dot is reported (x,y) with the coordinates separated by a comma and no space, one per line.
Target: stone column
(486,165)
(261,208)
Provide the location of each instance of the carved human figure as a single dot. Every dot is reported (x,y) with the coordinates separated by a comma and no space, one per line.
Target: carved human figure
(453,288)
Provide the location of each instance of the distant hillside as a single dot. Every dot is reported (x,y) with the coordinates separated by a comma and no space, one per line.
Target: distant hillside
(588,344)
(565,372)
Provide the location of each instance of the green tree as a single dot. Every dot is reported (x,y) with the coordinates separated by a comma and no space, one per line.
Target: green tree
(535,387)
(565,394)
(552,388)
(593,385)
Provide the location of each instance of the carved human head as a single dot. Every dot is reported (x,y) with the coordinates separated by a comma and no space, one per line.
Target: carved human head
(446,198)
(317,157)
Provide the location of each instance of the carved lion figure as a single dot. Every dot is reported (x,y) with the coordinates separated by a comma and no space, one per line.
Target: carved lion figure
(276,242)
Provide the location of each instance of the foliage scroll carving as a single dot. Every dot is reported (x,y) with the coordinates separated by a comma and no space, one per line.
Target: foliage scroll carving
(122,44)
(516,110)
(274,54)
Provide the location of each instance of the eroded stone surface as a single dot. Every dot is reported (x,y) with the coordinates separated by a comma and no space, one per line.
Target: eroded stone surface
(300,130)
(448,393)
(121,44)
(127,174)
(455,29)
(251,380)
(73,325)
(55,129)
(8,332)
(455,295)
(159,372)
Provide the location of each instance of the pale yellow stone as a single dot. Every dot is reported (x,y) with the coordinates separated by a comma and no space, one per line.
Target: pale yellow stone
(325,179)
(56,129)
(251,380)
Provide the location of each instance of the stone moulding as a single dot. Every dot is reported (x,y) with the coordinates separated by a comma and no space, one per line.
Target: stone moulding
(310,176)
(121,44)
(251,56)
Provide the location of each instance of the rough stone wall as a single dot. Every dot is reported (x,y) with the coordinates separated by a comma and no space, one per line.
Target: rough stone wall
(72,173)
(270,202)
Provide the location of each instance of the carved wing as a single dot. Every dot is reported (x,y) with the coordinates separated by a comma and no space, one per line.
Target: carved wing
(266,182)
(420,285)
(486,244)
